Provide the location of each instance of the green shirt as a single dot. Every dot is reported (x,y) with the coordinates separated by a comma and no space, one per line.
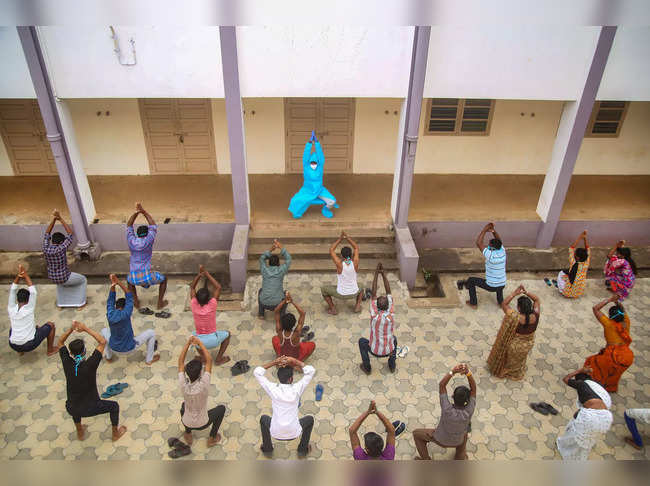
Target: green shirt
(273,278)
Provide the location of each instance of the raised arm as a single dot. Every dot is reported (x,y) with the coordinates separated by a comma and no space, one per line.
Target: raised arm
(132,219)
(333,254)
(470,379)
(63,337)
(385,279)
(207,359)
(390,430)
(181,358)
(354,428)
(195,283)
(581,236)
(576,372)
(481,236)
(65,226)
(55,216)
(306,153)
(505,305)
(374,281)
(215,283)
(101,341)
(535,299)
(301,313)
(442,386)
(116,281)
(144,212)
(494,232)
(596,309)
(277,313)
(355,251)
(619,244)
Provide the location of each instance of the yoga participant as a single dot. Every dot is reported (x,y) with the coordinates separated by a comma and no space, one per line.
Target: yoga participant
(312,190)
(516,336)
(592,420)
(204,310)
(610,363)
(631,415)
(346,287)
(620,270)
(373,443)
(286,341)
(24,334)
(382,342)
(70,286)
(455,419)
(272,291)
(285,399)
(572,282)
(495,267)
(119,332)
(194,383)
(141,247)
(81,381)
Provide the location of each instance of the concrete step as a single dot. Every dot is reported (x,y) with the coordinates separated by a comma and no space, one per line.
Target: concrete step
(326,265)
(323,233)
(321,249)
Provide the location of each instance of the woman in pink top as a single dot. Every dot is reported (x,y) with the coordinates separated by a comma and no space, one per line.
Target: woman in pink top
(204,310)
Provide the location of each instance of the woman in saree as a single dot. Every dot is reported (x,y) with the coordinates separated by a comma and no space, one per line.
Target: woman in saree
(592,420)
(516,336)
(620,270)
(610,363)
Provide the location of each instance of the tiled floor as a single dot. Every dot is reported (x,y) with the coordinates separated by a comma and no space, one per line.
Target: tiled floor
(34,423)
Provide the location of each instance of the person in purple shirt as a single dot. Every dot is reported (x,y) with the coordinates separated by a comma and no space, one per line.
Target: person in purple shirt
(374,444)
(140,243)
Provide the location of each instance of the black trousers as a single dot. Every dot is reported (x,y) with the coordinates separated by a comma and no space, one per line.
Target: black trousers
(473,282)
(364,349)
(307,424)
(96,408)
(215,417)
(262,307)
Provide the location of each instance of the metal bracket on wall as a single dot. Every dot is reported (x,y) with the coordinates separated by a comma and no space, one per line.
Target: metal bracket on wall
(118,51)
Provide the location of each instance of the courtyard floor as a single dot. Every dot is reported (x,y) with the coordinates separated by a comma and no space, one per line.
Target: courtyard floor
(35,424)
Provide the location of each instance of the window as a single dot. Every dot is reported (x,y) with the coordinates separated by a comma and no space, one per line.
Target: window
(607,118)
(453,116)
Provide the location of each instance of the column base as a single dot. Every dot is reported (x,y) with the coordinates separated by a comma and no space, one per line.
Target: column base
(92,252)
(407,256)
(238,258)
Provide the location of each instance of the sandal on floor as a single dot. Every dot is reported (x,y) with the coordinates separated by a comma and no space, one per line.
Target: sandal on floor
(145,311)
(399,427)
(239,368)
(319,392)
(116,389)
(176,453)
(165,314)
(539,408)
(304,330)
(175,443)
(547,281)
(552,410)
(308,337)
(402,352)
(554,283)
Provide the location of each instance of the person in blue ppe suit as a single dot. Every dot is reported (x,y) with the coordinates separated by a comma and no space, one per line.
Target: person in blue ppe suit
(312,190)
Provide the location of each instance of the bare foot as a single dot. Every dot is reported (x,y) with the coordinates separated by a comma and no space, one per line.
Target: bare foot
(304,456)
(357,309)
(155,358)
(188,438)
(22,353)
(332,311)
(214,441)
(52,351)
(81,435)
(162,305)
(631,442)
(120,432)
(469,304)
(222,360)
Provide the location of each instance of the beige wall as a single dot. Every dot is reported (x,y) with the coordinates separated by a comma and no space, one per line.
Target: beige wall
(375,135)
(5,163)
(220,129)
(629,153)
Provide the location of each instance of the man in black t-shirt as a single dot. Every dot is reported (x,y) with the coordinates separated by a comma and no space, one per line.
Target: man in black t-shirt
(81,381)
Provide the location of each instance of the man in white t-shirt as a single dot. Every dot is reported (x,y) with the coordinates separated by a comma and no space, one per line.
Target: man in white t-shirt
(347,266)
(25,335)
(285,399)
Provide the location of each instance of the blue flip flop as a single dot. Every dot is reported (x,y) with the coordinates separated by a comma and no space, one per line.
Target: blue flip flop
(116,389)
(319,392)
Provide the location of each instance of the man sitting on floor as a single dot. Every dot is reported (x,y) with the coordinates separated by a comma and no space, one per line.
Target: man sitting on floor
(373,442)
(70,286)
(141,246)
(194,383)
(382,342)
(272,290)
(24,334)
(285,399)
(286,341)
(346,269)
(454,419)
(119,334)
(495,268)
(204,310)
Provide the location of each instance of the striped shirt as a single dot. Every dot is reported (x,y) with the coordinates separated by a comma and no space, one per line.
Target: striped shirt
(382,325)
(56,259)
(495,266)
(141,249)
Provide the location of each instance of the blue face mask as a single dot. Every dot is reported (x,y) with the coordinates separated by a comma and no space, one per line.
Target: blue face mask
(348,260)
(618,313)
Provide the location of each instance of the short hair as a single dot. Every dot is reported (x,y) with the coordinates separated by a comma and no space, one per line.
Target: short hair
(382,302)
(461,396)
(22,296)
(582,377)
(142,231)
(581,254)
(346,252)
(77,347)
(193,370)
(374,444)
(58,238)
(120,303)
(285,374)
(274,260)
(203,296)
(288,321)
(496,244)
(616,313)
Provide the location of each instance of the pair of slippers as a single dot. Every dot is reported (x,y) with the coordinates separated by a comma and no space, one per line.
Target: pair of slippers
(306,335)
(402,351)
(116,389)
(399,427)
(164,314)
(366,294)
(544,408)
(240,367)
(179,448)
(550,283)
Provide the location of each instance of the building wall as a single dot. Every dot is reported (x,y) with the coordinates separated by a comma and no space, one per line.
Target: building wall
(5,163)
(375,135)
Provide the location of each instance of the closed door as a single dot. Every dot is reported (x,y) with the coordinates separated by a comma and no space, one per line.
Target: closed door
(333,121)
(23,133)
(179,136)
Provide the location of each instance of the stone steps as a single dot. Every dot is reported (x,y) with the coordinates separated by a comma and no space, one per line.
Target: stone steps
(325,264)
(321,249)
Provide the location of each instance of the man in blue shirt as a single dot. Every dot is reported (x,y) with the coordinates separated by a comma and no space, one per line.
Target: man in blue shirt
(119,334)
(495,268)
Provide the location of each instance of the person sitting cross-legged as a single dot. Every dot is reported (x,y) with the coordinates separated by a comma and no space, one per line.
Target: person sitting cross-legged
(373,442)
(204,310)
(194,383)
(119,334)
(455,419)
(346,274)
(81,381)
(140,243)
(24,334)
(286,342)
(382,342)
(272,290)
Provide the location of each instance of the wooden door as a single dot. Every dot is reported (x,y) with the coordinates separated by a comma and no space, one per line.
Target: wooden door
(333,121)
(179,136)
(23,133)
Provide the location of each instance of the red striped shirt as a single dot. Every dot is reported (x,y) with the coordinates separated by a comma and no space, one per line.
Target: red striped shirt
(382,325)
